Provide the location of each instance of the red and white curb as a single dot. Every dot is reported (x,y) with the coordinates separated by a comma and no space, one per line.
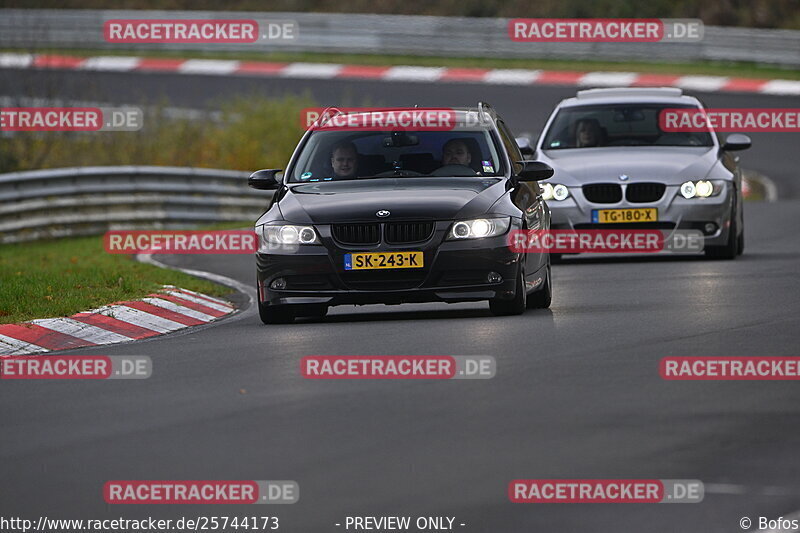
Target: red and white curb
(169,310)
(401,73)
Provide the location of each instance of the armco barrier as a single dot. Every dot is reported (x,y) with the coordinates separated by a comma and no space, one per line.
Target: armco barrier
(394,34)
(91,200)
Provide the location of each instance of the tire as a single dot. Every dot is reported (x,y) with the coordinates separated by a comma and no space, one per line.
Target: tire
(730,249)
(515,306)
(542,298)
(275,314)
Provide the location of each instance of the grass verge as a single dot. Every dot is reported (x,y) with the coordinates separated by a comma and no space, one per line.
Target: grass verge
(55,278)
(699,68)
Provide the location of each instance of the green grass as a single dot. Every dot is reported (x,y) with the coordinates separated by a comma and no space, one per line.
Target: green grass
(733,69)
(61,277)
(255,132)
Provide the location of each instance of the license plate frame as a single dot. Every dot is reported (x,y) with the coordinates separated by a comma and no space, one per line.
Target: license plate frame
(625,215)
(372,260)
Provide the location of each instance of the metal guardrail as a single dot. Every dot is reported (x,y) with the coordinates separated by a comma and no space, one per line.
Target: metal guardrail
(395,34)
(91,200)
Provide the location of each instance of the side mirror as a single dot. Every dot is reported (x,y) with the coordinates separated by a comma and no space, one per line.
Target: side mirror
(265,180)
(534,171)
(736,141)
(525,146)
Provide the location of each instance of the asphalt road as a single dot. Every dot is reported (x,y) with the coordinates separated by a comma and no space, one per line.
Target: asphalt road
(577,392)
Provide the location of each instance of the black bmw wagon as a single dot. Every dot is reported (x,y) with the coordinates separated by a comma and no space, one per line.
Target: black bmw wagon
(373,211)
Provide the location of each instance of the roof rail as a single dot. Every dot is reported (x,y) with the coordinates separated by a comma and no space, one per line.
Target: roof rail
(629,91)
(328,113)
(483,107)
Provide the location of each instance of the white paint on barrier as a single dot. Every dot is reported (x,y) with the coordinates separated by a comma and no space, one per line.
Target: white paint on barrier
(189,297)
(12,346)
(111,63)
(81,330)
(140,318)
(311,70)
(208,66)
(177,308)
(512,76)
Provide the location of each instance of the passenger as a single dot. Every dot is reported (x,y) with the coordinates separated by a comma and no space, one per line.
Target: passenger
(344,160)
(587,133)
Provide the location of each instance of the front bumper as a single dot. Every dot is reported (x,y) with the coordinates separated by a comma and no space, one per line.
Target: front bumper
(674,212)
(453,271)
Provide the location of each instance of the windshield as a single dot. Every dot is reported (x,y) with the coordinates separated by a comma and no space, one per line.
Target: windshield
(617,125)
(337,155)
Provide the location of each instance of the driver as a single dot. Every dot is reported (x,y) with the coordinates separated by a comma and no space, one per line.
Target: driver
(344,160)
(587,133)
(455,152)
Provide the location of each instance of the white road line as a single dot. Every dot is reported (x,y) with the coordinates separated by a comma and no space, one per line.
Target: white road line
(180,309)
(140,318)
(511,76)
(208,66)
(112,63)
(608,79)
(81,330)
(701,83)
(311,70)
(189,297)
(12,346)
(408,73)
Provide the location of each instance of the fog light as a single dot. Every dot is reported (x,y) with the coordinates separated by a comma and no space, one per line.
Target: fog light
(709,228)
(278,283)
(494,277)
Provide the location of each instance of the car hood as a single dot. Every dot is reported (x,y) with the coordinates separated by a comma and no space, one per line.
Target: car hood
(670,165)
(405,198)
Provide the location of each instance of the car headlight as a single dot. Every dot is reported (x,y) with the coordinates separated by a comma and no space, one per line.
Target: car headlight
(478,228)
(554,191)
(289,234)
(701,188)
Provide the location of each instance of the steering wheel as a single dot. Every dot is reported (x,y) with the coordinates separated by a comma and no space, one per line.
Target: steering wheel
(399,172)
(454,170)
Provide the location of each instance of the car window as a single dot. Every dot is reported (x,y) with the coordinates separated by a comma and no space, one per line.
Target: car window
(617,125)
(341,155)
